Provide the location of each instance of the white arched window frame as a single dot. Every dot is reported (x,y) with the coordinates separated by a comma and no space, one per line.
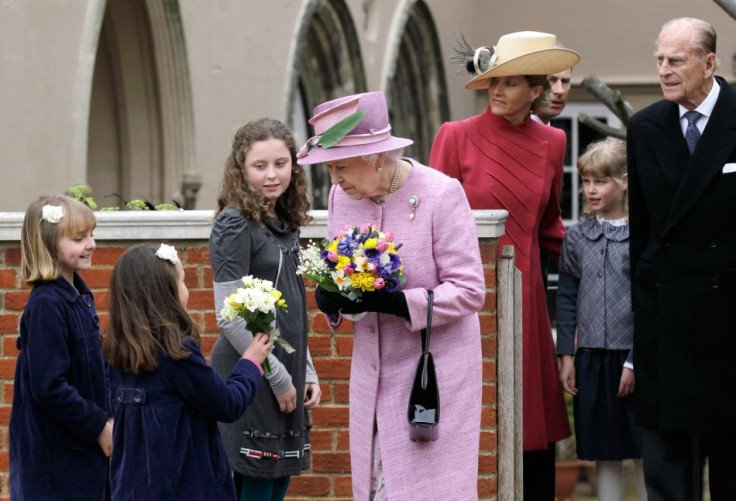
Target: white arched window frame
(415,82)
(327,64)
(140,137)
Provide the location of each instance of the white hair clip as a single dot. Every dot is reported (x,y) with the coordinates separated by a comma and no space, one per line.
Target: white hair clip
(168,253)
(52,213)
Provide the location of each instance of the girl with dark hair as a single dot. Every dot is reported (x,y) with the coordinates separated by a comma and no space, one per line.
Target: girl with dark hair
(166,399)
(261,205)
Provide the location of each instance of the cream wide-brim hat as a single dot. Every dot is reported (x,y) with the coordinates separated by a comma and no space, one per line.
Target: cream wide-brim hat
(525,53)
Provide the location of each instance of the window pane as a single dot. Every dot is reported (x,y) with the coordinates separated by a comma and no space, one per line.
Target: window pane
(566,195)
(565,123)
(586,135)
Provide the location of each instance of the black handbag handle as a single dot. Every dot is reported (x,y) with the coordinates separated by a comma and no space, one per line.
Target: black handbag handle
(423,411)
(425,339)
(428,330)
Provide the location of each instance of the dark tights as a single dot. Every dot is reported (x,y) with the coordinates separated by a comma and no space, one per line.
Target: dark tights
(539,474)
(262,489)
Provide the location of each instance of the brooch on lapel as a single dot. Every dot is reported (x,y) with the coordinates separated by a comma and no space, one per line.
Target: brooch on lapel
(414,203)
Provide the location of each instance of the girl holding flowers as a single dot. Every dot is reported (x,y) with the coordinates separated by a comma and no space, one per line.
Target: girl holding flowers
(374,185)
(60,427)
(261,205)
(167,400)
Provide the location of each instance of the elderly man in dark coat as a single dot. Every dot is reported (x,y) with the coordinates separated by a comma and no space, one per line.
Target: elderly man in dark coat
(682,183)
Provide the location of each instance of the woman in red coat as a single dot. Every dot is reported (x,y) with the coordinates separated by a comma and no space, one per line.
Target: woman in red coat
(505,160)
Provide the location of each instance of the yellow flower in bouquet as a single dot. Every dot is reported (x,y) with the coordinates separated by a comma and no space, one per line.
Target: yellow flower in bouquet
(256,303)
(360,259)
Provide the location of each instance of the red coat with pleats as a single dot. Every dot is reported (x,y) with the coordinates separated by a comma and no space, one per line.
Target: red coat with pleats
(518,168)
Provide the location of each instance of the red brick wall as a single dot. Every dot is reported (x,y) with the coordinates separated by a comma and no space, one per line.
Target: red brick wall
(329,477)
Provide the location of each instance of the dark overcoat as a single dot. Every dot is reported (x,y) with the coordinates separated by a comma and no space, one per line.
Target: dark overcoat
(60,403)
(683,262)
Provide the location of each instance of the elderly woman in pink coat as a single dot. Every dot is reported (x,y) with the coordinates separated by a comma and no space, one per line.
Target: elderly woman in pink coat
(428,213)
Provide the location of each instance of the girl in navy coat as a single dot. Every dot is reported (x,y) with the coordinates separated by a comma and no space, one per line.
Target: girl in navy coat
(594,299)
(166,399)
(60,432)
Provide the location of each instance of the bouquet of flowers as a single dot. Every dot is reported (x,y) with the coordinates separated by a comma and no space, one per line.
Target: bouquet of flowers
(256,302)
(358,260)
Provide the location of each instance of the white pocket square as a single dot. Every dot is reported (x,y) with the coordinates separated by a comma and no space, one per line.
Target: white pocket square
(728,168)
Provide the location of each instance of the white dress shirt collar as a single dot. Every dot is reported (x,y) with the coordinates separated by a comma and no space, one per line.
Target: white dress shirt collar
(705,108)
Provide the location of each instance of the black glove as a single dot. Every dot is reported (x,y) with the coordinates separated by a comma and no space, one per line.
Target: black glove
(334,302)
(393,303)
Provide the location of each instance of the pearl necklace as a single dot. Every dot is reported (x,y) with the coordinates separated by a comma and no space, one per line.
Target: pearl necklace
(395,180)
(394,184)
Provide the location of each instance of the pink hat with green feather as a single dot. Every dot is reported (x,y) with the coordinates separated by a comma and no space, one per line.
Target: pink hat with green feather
(350,127)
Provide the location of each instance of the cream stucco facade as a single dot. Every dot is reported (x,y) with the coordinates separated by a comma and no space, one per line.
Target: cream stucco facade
(145,95)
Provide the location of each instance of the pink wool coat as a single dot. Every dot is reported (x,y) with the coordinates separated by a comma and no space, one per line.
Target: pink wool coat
(439,252)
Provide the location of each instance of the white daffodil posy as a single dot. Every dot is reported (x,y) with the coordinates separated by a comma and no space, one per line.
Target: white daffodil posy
(256,302)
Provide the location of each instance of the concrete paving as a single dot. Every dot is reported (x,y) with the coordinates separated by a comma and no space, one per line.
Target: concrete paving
(586,489)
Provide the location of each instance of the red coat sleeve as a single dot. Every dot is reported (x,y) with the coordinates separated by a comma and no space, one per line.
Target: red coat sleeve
(443,156)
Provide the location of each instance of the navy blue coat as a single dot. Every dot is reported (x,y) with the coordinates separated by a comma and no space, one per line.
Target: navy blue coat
(60,403)
(165,440)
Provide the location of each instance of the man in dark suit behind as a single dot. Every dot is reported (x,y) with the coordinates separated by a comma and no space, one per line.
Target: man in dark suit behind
(683,264)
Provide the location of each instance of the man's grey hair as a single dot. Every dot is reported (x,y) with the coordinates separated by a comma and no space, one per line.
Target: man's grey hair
(705,35)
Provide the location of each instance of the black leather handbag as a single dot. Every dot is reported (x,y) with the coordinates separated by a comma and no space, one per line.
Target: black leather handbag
(424,400)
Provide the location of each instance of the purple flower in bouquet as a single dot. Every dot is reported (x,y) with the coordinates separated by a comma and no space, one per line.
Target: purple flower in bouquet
(360,259)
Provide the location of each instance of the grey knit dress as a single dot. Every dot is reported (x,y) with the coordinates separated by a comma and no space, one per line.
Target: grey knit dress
(264,442)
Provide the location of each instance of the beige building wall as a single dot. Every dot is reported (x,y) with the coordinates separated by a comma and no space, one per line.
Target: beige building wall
(615,38)
(45,78)
(240,58)
(239,62)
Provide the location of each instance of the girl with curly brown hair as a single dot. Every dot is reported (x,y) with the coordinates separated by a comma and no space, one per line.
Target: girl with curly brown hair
(261,205)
